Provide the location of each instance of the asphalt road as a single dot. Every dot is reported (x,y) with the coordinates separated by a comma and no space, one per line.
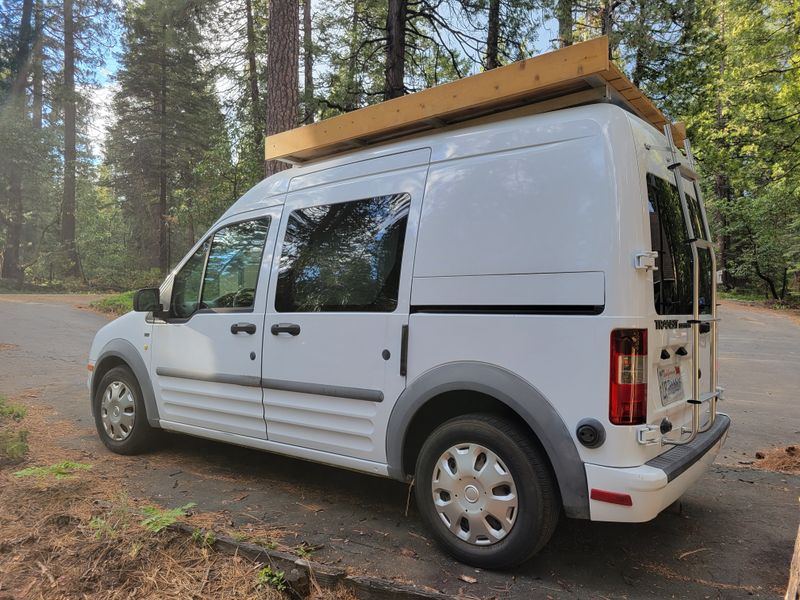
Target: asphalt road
(732,537)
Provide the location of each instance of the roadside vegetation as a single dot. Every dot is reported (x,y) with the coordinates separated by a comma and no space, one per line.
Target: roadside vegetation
(79,534)
(13,438)
(116,304)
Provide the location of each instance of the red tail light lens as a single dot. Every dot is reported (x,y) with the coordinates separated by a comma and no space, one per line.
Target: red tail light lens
(627,401)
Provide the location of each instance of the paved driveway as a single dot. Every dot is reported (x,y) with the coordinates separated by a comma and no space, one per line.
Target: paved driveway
(732,539)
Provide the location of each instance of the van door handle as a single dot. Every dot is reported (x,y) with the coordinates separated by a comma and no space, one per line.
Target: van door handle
(290,328)
(243,327)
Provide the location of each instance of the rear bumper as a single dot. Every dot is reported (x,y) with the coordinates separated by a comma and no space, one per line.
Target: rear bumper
(657,483)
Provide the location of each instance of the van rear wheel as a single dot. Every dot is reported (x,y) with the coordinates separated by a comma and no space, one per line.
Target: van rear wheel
(485,490)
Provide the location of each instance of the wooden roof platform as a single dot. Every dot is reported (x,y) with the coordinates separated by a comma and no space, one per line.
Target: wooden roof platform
(575,75)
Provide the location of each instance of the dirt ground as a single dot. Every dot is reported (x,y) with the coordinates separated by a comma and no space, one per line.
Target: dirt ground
(731,538)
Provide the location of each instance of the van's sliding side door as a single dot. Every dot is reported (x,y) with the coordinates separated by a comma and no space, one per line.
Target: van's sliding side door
(338,306)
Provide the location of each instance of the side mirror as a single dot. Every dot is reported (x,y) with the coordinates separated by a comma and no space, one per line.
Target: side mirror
(147,300)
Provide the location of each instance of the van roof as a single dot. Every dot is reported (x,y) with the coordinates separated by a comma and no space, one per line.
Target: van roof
(271,191)
(572,76)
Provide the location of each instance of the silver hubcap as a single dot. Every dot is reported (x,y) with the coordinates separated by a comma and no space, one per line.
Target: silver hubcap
(117,411)
(474,494)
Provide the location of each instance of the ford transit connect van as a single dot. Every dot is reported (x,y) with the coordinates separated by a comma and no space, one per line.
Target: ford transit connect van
(518,316)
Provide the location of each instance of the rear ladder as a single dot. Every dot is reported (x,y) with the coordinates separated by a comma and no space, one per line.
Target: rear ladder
(687,171)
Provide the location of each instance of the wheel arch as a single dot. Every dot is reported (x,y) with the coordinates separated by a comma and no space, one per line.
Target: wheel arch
(482,387)
(119,352)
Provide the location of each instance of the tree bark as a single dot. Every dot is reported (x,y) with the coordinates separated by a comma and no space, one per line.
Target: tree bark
(68,203)
(11,268)
(163,208)
(20,71)
(252,75)
(607,24)
(308,65)
(395,68)
(493,34)
(38,75)
(282,71)
(565,22)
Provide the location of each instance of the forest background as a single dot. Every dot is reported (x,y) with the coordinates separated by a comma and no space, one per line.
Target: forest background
(127,128)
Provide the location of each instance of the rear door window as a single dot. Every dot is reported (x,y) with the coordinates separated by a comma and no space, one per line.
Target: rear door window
(343,257)
(672,281)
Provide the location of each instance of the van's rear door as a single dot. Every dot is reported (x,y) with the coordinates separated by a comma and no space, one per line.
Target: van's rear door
(678,235)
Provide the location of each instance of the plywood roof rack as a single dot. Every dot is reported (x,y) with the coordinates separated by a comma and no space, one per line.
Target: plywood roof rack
(572,76)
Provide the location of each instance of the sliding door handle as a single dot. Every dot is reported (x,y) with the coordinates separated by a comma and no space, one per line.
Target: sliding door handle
(290,328)
(243,327)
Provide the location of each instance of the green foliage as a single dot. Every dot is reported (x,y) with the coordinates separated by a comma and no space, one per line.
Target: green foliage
(157,519)
(118,304)
(304,551)
(272,578)
(63,470)
(13,445)
(204,539)
(101,528)
(14,411)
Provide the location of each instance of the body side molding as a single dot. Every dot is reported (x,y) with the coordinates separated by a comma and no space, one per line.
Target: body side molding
(125,351)
(299,387)
(514,392)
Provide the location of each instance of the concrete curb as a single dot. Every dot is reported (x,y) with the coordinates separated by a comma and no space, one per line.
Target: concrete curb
(302,574)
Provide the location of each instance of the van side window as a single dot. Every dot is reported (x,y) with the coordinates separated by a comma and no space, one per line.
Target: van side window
(343,257)
(225,276)
(187,284)
(233,264)
(672,281)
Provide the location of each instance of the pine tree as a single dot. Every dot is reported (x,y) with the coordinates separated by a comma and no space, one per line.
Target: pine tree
(167,121)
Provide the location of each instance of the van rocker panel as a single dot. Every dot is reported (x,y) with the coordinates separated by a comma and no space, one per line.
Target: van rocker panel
(518,395)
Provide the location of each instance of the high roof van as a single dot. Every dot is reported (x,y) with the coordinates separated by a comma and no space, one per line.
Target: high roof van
(518,316)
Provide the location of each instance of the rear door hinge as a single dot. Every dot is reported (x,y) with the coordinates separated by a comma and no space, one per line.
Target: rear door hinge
(646,261)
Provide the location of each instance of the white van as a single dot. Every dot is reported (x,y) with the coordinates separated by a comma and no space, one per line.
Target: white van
(518,316)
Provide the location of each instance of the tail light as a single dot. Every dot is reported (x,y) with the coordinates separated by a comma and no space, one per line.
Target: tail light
(627,402)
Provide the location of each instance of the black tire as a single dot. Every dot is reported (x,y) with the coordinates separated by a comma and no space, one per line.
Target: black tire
(139,438)
(538,503)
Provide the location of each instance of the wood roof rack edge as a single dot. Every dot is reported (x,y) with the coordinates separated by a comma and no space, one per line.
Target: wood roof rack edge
(542,83)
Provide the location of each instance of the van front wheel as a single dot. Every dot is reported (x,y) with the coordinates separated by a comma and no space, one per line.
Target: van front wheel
(486,492)
(119,413)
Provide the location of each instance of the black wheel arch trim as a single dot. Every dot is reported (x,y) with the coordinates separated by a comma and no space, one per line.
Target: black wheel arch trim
(518,395)
(127,353)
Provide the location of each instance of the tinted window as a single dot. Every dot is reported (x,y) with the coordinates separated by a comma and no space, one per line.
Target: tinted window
(187,284)
(343,257)
(233,265)
(672,281)
(231,271)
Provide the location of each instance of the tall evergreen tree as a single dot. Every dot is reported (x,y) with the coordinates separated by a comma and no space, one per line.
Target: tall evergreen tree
(167,120)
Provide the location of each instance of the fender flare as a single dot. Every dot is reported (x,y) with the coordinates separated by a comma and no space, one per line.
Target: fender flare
(518,395)
(125,351)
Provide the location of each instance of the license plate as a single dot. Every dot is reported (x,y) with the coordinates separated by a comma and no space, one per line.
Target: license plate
(669,380)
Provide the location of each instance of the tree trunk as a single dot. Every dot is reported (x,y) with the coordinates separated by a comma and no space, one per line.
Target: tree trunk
(308,65)
(565,22)
(282,70)
(395,68)
(353,97)
(493,34)
(68,203)
(16,104)
(252,75)
(637,73)
(163,209)
(38,75)
(607,24)
(11,268)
